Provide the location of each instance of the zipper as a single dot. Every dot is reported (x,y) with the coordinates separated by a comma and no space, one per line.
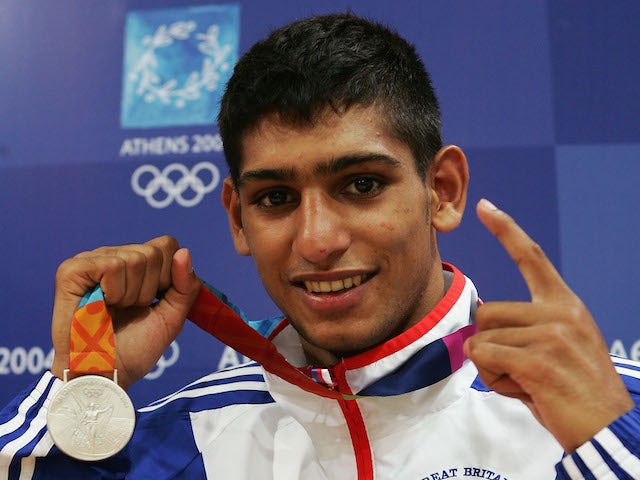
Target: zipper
(355,423)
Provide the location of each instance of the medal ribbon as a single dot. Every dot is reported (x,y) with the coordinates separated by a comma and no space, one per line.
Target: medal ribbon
(214,316)
(92,347)
(431,364)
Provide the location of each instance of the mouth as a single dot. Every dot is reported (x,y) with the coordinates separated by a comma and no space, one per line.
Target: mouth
(334,286)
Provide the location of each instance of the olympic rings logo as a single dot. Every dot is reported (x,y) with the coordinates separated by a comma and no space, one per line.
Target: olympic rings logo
(163,362)
(173,182)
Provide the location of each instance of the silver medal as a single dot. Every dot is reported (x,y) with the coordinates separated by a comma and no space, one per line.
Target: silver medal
(91,418)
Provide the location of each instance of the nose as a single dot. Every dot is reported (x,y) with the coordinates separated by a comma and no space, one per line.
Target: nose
(322,233)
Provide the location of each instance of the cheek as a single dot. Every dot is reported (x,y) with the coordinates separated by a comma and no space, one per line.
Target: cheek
(269,248)
(406,224)
(388,227)
(401,219)
(407,241)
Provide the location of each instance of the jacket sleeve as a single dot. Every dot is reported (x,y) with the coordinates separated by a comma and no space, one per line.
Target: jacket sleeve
(614,453)
(26,449)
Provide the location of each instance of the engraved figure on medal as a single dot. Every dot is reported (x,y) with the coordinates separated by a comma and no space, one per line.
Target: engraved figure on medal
(91,418)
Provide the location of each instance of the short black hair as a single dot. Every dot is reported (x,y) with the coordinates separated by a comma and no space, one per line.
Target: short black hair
(332,61)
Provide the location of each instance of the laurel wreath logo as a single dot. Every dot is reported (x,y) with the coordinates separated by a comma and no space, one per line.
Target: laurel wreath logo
(149,83)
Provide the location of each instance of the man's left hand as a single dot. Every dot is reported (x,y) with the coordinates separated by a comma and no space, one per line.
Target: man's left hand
(548,352)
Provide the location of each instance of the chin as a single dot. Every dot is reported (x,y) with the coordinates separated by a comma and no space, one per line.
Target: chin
(344,347)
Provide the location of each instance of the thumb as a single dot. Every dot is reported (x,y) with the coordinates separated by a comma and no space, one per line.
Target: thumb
(184,289)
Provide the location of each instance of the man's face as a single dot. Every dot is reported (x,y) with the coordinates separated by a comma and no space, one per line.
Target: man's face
(338,223)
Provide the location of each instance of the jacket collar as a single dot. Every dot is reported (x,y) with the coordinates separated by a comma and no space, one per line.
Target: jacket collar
(425,354)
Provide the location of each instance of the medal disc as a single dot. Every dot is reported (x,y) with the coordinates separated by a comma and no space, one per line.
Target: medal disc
(91,418)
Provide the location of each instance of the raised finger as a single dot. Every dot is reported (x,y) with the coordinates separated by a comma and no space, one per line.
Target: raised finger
(541,277)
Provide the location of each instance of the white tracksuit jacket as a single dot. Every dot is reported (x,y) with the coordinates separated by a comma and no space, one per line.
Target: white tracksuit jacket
(412,408)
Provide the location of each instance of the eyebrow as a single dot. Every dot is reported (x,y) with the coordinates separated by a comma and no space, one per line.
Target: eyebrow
(333,166)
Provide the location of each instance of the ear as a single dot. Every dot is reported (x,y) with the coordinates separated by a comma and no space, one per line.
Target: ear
(231,203)
(449,180)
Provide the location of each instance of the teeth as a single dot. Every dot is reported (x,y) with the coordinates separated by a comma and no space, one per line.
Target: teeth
(334,285)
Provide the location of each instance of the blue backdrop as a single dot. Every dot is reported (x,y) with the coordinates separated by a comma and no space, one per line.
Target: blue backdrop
(99,98)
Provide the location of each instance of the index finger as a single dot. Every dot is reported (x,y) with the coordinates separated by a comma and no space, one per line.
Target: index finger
(541,277)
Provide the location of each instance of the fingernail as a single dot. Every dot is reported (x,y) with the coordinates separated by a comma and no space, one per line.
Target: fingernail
(190,263)
(486,204)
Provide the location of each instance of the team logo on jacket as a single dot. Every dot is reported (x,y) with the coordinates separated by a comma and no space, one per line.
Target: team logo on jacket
(465,472)
(176,63)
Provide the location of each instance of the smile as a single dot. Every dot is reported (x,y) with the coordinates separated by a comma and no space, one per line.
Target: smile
(334,285)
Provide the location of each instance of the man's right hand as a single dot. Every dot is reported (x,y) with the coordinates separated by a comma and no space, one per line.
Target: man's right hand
(131,277)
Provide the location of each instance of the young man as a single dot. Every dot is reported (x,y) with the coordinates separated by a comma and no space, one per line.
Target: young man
(339,184)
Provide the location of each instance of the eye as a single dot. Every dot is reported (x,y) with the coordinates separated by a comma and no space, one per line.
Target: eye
(363,186)
(274,198)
